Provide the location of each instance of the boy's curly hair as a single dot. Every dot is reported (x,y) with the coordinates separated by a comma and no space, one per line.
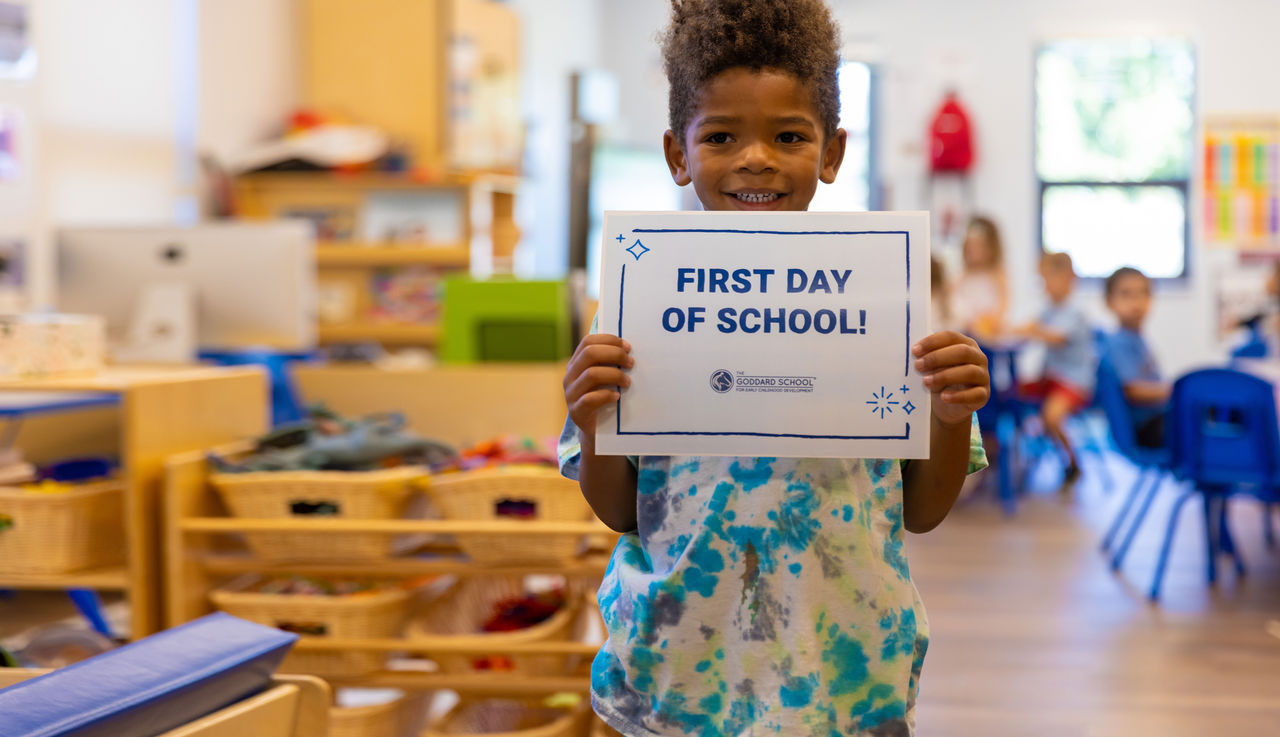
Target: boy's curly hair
(706,37)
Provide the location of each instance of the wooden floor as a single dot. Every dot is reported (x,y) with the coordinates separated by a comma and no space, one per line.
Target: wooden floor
(1033,635)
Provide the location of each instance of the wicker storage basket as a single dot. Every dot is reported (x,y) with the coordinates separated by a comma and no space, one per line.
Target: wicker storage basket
(378,720)
(403,715)
(375,614)
(476,495)
(462,609)
(303,495)
(507,718)
(60,533)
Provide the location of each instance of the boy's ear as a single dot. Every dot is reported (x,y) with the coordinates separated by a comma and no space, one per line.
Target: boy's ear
(677,159)
(833,156)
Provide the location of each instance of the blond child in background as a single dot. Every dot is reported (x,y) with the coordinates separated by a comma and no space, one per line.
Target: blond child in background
(1070,365)
(979,299)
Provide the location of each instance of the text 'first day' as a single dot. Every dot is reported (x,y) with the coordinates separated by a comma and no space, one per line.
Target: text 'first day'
(742,281)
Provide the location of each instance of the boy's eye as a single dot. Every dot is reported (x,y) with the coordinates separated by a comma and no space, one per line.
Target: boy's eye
(718,138)
(790,137)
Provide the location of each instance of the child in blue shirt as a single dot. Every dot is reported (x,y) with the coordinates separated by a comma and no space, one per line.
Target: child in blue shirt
(1128,294)
(1070,364)
(754,595)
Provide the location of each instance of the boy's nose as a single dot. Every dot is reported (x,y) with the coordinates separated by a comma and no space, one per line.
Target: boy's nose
(756,158)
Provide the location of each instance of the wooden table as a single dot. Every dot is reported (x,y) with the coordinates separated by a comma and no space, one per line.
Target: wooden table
(164,410)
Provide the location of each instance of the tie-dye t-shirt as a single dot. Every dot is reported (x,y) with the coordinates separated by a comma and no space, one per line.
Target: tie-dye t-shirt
(761,596)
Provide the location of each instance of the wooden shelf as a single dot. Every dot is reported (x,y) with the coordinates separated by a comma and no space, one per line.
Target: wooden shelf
(358,181)
(115,578)
(339,254)
(446,644)
(593,564)
(500,684)
(393,526)
(120,378)
(395,333)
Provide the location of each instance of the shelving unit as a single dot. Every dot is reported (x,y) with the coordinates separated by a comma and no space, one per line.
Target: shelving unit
(465,224)
(162,411)
(387,333)
(200,556)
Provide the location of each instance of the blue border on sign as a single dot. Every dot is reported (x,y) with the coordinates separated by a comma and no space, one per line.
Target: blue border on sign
(906,435)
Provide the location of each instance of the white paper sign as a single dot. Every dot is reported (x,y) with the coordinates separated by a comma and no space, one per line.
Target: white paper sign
(767,334)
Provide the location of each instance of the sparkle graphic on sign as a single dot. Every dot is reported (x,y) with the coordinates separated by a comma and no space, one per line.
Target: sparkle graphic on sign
(908,408)
(638,249)
(883,403)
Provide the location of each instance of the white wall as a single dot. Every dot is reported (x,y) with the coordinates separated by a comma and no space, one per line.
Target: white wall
(558,37)
(123,95)
(985,49)
(248,77)
(107,114)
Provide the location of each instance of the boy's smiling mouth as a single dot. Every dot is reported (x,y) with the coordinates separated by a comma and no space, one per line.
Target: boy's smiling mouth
(756,199)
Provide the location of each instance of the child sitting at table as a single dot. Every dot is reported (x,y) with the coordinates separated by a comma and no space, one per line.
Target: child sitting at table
(1128,294)
(979,299)
(1070,364)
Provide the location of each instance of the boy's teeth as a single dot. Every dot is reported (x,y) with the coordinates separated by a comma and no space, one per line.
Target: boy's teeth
(757,197)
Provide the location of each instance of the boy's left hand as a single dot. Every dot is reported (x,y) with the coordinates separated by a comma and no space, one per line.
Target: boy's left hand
(955,370)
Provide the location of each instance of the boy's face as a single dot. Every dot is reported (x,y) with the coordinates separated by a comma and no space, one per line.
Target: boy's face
(1057,283)
(1130,300)
(755,142)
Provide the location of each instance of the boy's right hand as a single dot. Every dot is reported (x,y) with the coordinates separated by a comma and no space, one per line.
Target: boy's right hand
(595,371)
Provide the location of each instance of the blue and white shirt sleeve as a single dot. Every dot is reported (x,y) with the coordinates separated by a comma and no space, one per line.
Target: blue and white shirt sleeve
(977,453)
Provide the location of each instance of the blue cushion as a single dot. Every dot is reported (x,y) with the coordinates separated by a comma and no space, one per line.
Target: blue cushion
(151,686)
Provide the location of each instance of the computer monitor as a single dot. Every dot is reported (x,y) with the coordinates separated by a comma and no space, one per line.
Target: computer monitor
(166,290)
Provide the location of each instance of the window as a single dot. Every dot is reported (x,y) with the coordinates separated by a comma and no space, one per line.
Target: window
(1113,132)
(854,188)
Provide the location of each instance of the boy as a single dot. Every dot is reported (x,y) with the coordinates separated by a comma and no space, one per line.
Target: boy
(767,594)
(1128,294)
(1070,366)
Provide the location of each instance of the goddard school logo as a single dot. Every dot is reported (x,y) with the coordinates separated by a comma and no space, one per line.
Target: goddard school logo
(722,381)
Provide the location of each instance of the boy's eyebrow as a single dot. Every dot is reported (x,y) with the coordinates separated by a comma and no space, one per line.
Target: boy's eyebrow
(793,120)
(781,120)
(718,120)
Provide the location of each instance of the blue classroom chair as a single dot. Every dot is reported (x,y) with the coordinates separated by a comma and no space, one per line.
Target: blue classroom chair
(1254,345)
(1152,463)
(1002,417)
(1223,440)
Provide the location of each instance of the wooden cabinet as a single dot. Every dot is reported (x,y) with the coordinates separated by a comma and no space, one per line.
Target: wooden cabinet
(439,76)
(162,411)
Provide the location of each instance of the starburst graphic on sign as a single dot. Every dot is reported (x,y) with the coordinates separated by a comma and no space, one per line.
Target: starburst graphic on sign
(882,403)
(638,249)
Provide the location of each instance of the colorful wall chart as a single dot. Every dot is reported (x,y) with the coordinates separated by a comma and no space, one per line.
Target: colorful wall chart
(1242,181)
